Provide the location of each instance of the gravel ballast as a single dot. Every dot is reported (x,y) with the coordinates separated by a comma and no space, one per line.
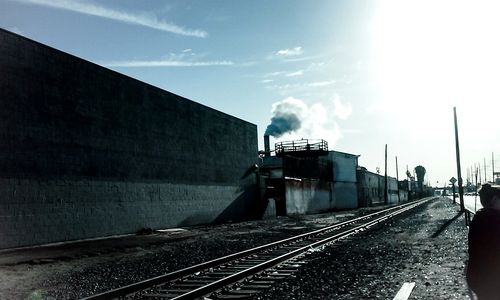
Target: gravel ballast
(427,246)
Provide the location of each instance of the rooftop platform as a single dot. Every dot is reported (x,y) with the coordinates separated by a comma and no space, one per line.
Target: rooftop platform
(302,148)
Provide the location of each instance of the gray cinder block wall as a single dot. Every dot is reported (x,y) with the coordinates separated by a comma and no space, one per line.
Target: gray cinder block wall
(88,152)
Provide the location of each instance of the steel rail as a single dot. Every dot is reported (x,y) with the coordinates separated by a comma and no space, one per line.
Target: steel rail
(142,285)
(231,279)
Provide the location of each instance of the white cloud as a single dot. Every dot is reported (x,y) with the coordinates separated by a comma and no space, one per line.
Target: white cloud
(273,74)
(166,63)
(183,59)
(295,74)
(300,88)
(289,52)
(316,66)
(303,58)
(321,83)
(150,21)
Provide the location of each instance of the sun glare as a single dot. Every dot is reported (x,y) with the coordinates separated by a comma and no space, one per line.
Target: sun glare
(438,54)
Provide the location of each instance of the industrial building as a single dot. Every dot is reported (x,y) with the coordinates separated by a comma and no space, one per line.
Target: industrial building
(305,177)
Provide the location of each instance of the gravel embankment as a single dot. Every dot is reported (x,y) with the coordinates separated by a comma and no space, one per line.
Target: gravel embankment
(425,247)
(372,265)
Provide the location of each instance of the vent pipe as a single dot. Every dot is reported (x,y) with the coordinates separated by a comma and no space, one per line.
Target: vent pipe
(267,148)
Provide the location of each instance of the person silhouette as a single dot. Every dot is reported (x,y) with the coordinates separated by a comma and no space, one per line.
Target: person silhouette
(483,268)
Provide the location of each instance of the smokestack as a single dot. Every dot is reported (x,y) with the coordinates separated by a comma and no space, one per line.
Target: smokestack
(267,148)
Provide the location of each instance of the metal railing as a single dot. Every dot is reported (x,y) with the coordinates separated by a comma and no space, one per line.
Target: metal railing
(303,145)
(468,216)
(469,210)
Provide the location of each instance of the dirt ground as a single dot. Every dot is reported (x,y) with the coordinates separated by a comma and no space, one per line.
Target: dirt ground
(427,247)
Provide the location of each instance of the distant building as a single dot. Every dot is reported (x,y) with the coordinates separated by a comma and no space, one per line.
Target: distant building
(371,189)
(305,177)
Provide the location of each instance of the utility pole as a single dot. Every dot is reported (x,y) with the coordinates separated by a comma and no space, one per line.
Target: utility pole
(454,195)
(471,178)
(485,180)
(492,167)
(397,179)
(386,196)
(475,193)
(409,183)
(472,172)
(478,170)
(459,172)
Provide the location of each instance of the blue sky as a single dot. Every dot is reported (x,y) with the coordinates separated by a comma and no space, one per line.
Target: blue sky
(360,74)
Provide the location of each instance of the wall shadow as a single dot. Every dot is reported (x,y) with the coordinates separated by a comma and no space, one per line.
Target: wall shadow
(248,205)
(446,224)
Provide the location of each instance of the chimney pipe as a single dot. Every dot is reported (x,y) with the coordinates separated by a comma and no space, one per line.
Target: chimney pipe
(267,148)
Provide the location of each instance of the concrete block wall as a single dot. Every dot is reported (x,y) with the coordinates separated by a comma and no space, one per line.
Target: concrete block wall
(41,211)
(88,152)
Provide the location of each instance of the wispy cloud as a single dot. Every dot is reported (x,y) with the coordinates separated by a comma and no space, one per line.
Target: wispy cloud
(166,63)
(283,73)
(303,58)
(290,88)
(295,74)
(289,52)
(146,20)
(185,58)
(321,83)
(273,74)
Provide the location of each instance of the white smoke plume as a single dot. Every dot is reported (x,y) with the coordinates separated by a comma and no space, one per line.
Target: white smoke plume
(293,119)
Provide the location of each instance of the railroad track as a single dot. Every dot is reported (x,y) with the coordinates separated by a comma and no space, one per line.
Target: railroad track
(242,274)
